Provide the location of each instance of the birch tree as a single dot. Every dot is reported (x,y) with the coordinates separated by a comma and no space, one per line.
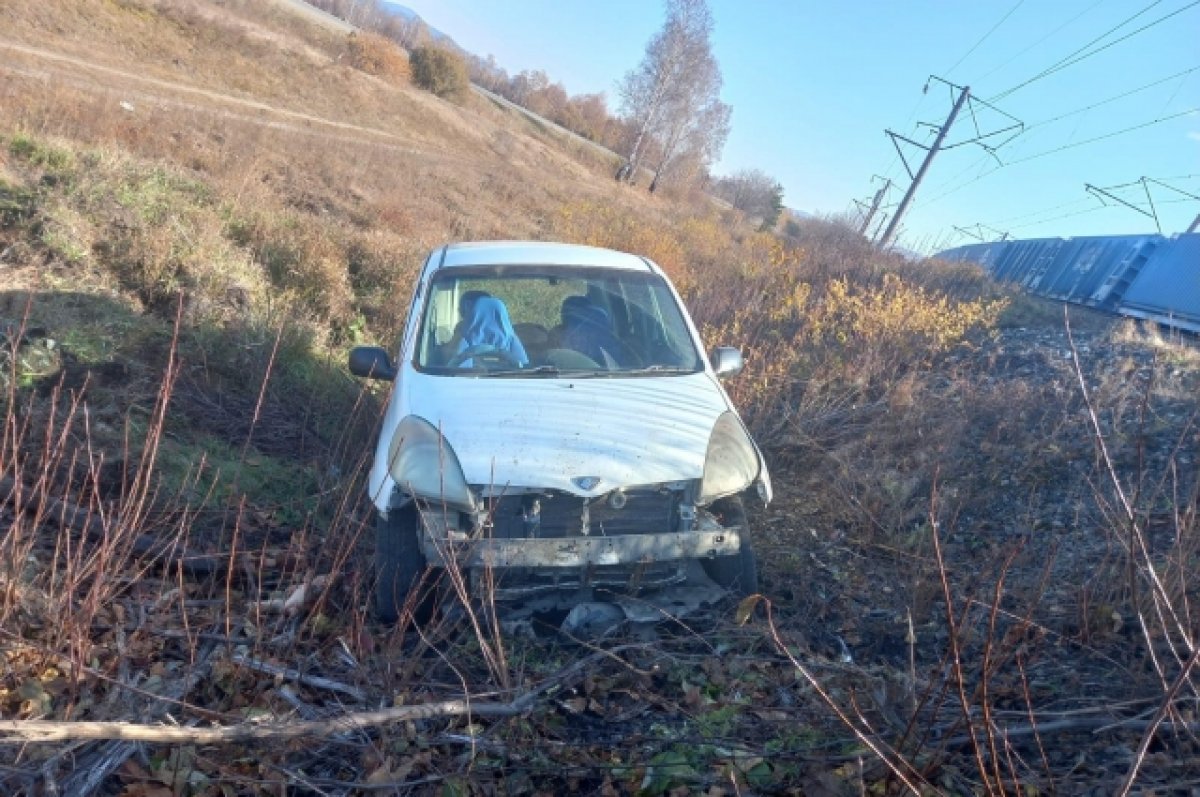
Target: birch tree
(694,123)
(676,82)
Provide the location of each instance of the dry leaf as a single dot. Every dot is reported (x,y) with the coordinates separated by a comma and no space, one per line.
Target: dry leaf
(745,609)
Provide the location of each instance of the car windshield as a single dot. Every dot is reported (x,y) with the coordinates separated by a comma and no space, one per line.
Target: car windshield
(543,321)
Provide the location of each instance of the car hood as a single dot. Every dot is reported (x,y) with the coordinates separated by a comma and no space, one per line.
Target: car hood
(545,433)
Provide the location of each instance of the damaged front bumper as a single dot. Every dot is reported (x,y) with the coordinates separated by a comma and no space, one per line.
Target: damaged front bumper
(573,552)
(626,563)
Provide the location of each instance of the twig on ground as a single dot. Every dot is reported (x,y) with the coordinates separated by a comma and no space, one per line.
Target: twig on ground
(290,674)
(1093,724)
(303,709)
(955,653)
(897,765)
(91,770)
(1158,720)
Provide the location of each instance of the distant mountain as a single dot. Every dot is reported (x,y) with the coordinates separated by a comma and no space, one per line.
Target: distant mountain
(407,13)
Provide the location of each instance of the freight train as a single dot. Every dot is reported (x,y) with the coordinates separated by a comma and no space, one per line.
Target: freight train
(1143,276)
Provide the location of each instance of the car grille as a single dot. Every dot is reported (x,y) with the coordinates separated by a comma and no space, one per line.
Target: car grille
(518,582)
(649,511)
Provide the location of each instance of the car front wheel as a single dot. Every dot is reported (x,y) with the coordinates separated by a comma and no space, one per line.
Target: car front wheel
(399,564)
(736,572)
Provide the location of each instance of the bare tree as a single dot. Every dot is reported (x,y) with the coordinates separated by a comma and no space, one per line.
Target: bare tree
(526,85)
(487,73)
(754,192)
(411,33)
(695,122)
(665,83)
(364,13)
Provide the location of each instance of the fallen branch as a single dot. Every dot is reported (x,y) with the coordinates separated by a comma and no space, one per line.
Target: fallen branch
(35,731)
(1091,724)
(25,731)
(303,709)
(901,768)
(295,675)
(300,595)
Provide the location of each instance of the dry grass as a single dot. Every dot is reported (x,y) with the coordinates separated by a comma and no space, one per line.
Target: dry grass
(221,153)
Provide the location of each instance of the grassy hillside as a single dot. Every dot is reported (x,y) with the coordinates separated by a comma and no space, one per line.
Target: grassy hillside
(203,205)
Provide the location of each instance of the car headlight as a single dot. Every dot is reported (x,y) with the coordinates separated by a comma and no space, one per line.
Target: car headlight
(731,462)
(423,463)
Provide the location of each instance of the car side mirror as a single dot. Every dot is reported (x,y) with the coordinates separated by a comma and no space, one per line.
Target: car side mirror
(371,362)
(727,361)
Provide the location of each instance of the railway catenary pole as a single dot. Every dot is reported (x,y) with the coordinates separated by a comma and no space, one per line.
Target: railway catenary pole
(964,93)
(875,203)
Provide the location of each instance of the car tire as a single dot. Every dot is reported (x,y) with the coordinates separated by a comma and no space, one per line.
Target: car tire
(737,572)
(399,565)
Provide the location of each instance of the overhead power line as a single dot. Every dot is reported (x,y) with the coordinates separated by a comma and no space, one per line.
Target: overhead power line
(979,161)
(1058,64)
(1037,155)
(985,36)
(1113,134)
(1044,211)
(1039,217)
(976,231)
(1145,183)
(1084,52)
(1113,98)
(1057,218)
(1049,35)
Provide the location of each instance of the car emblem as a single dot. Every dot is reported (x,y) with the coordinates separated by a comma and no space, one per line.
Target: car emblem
(586,482)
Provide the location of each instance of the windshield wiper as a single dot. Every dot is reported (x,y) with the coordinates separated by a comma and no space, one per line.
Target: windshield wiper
(657,370)
(540,370)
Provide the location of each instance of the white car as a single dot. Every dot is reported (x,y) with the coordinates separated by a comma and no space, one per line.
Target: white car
(554,419)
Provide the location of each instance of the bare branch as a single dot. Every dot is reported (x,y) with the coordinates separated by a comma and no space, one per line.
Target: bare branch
(23,731)
(290,674)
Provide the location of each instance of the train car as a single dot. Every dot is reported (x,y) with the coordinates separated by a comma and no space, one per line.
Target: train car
(1143,276)
(1087,269)
(1166,288)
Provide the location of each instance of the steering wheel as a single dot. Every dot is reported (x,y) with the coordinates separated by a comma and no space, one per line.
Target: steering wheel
(484,355)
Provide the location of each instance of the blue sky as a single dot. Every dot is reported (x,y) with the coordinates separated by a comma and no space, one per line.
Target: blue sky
(814,84)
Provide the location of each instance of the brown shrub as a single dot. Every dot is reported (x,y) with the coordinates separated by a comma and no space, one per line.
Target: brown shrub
(602,224)
(378,55)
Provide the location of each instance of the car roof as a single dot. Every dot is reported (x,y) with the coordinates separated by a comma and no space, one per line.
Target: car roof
(537,253)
